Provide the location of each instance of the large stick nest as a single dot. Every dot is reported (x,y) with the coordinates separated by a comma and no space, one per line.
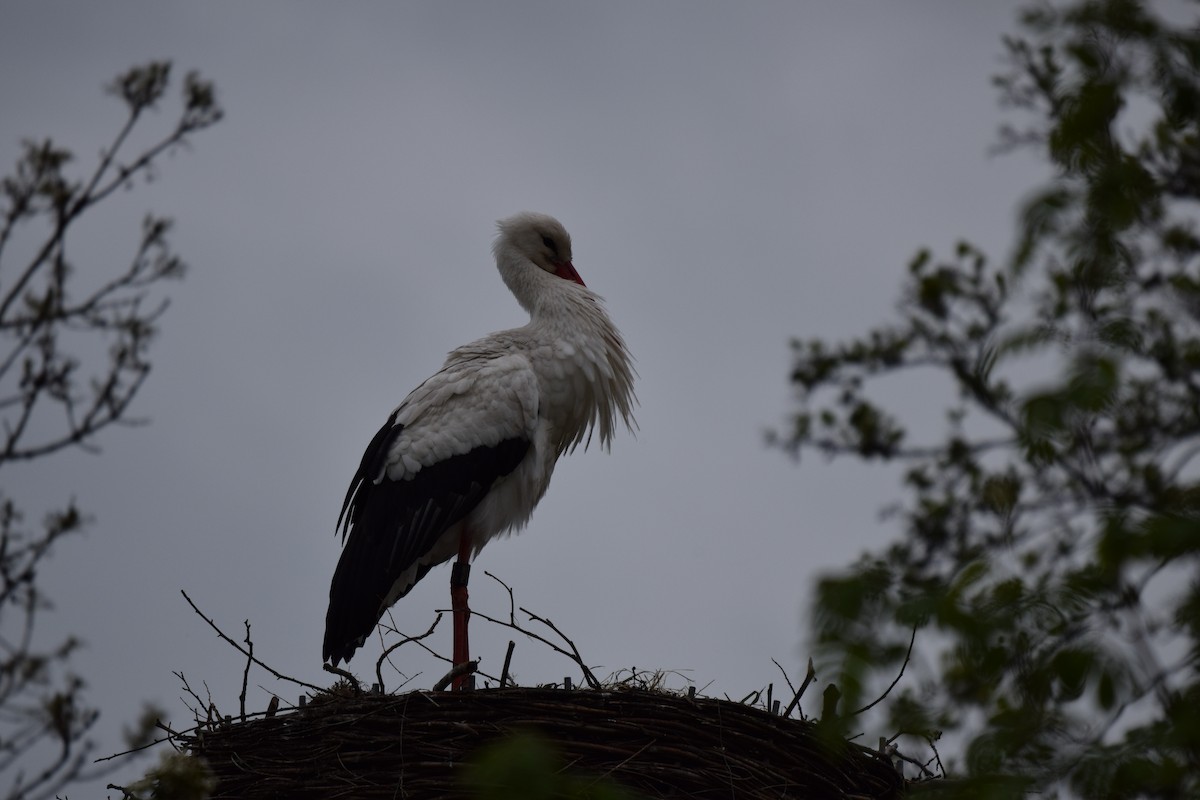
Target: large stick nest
(654,743)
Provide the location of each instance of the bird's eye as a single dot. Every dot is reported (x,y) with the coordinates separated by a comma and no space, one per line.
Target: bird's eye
(546,240)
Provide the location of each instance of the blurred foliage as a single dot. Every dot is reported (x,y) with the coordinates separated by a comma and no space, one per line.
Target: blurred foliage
(73,355)
(1051,530)
(178,776)
(527,767)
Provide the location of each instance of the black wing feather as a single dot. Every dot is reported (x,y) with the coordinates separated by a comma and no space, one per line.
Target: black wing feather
(372,464)
(388,526)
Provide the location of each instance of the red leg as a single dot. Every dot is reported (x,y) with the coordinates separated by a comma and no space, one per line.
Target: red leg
(458,605)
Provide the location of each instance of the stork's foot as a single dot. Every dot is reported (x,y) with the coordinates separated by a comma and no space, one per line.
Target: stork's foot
(462,614)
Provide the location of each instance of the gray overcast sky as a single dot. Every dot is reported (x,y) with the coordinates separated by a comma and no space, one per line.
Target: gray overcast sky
(732,175)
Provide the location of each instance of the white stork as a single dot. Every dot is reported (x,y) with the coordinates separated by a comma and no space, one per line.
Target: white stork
(468,454)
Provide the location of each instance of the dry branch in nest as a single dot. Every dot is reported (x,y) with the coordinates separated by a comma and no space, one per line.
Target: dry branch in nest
(653,743)
(348,743)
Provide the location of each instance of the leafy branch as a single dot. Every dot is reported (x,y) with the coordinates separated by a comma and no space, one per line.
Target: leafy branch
(1049,531)
(55,394)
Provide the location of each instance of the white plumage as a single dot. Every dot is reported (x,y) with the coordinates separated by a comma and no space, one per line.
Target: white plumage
(469,453)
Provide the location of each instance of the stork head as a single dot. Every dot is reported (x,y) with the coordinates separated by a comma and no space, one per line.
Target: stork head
(540,238)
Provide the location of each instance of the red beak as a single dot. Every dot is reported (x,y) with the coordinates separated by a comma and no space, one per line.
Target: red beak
(565,269)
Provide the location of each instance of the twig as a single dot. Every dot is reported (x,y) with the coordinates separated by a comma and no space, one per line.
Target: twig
(169,737)
(512,606)
(783,672)
(246,671)
(936,755)
(188,688)
(354,682)
(514,625)
(435,653)
(924,769)
(893,750)
(240,649)
(397,645)
(507,662)
(173,734)
(587,673)
(808,678)
(888,690)
(384,629)
(466,668)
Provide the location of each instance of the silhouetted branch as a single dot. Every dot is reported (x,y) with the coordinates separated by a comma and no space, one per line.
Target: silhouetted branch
(504,679)
(899,675)
(354,682)
(457,671)
(513,624)
(808,678)
(246,672)
(383,656)
(245,652)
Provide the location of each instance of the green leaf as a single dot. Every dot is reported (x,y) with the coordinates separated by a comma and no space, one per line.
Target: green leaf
(1072,667)
(1106,693)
